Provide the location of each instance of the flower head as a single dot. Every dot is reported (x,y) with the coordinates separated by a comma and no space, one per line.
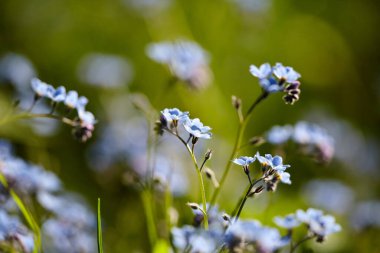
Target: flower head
(171,117)
(320,225)
(71,99)
(285,74)
(57,95)
(196,128)
(186,60)
(39,87)
(278,78)
(244,160)
(289,221)
(272,162)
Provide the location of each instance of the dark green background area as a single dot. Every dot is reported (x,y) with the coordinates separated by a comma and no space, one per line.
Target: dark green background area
(335,45)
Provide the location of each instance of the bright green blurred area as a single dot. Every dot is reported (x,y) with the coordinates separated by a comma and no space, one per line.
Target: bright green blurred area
(335,45)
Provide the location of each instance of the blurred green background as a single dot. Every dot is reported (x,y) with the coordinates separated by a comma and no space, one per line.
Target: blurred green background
(335,45)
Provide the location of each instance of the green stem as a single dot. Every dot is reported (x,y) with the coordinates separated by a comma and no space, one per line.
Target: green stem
(31,116)
(99,229)
(306,238)
(201,185)
(244,199)
(238,141)
(147,202)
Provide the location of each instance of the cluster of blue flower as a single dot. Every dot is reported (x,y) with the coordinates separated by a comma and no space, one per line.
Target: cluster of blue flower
(171,118)
(272,167)
(70,226)
(84,122)
(278,78)
(249,235)
(312,139)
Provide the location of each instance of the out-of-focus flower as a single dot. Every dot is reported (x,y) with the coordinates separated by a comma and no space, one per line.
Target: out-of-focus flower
(186,60)
(330,195)
(12,230)
(279,134)
(242,234)
(16,69)
(196,128)
(71,99)
(311,138)
(366,215)
(57,95)
(105,70)
(318,224)
(289,221)
(39,87)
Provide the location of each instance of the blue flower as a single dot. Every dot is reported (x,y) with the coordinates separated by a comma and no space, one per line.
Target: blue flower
(186,60)
(284,177)
(86,118)
(57,95)
(286,74)
(81,104)
(244,160)
(262,72)
(171,117)
(318,224)
(195,128)
(39,87)
(71,99)
(289,221)
(278,78)
(279,134)
(272,162)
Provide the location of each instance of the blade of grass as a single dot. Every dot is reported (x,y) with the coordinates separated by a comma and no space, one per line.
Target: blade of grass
(100,239)
(26,213)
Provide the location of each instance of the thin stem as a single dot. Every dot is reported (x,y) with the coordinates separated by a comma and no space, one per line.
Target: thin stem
(295,246)
(239,138)
(41,115)
(200,177)
(202,187)
(244,199)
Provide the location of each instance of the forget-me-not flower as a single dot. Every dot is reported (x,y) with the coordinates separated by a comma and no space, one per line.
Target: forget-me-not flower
(262,72)
(56,95)
(318,224)
(289,221)
(278,78)
(196,128)
(39,87)
(244,160)
(272,162)
(71,99)
(186,60)
(285,74)
(171,117)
